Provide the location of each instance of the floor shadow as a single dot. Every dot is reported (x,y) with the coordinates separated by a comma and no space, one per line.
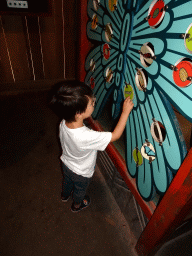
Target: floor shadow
(22,126)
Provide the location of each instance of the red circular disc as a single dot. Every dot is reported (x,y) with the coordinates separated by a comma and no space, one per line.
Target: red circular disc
(184,71)
(92,82)
(106,51)
(156,14)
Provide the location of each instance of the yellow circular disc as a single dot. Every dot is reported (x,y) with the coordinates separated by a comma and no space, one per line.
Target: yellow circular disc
(128,91)
(188,41)
(137,156)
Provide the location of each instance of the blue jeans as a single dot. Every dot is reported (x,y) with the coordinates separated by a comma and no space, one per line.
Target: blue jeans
(73,182)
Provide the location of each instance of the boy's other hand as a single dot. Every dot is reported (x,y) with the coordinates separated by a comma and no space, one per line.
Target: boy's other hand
(127,106)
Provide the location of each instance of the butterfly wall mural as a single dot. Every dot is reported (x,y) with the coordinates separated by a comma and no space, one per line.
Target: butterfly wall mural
(143,49)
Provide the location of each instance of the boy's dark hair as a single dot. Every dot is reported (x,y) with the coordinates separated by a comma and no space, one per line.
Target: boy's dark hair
(70,98)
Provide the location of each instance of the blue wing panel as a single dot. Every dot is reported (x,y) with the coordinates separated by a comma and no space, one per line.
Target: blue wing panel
(129,32)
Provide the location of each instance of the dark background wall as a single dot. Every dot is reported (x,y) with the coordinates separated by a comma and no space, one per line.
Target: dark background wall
(36,48)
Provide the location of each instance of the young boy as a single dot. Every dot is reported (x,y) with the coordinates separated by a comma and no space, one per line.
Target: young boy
(74,102)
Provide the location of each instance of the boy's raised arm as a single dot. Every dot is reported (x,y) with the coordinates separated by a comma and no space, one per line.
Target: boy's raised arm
(127,107)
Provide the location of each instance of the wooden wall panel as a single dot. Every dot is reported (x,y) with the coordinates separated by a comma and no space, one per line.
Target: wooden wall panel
(16,44)
(52,29)
(48,40)
(33,39)
(59,16)
(6,75)
(70,42)
(35,48)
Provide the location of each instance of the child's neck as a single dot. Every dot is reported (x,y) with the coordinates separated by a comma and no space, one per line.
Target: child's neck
(75,125)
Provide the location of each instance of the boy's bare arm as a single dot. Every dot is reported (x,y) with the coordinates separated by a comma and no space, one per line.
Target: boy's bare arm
(127,107)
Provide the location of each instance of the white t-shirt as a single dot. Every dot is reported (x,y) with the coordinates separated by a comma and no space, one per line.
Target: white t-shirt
(80,146)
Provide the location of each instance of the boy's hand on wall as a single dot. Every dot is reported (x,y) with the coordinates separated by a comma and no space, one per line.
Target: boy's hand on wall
(127,106)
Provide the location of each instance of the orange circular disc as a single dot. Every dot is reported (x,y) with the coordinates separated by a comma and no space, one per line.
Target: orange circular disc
(94,21)
(112,4)
(184,70)
(156,13)
(106,51)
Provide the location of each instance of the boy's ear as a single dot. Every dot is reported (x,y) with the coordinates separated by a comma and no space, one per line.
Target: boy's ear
(78,114)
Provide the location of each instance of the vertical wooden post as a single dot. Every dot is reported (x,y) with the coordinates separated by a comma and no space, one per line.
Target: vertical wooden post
(173,208)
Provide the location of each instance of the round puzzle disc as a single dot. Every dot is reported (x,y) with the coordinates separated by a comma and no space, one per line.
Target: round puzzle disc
(94,21)
(106,51)
(96,4)
(188,41)
(158,132)
(137,157)
(108,32)
(145,55)
(112,4)
(92,65)
(148,151)
(128,91)
(184,71)
(109,75)
(141,80)
(156,13)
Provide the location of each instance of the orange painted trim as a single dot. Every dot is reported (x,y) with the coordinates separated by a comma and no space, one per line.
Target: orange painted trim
(173,208)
